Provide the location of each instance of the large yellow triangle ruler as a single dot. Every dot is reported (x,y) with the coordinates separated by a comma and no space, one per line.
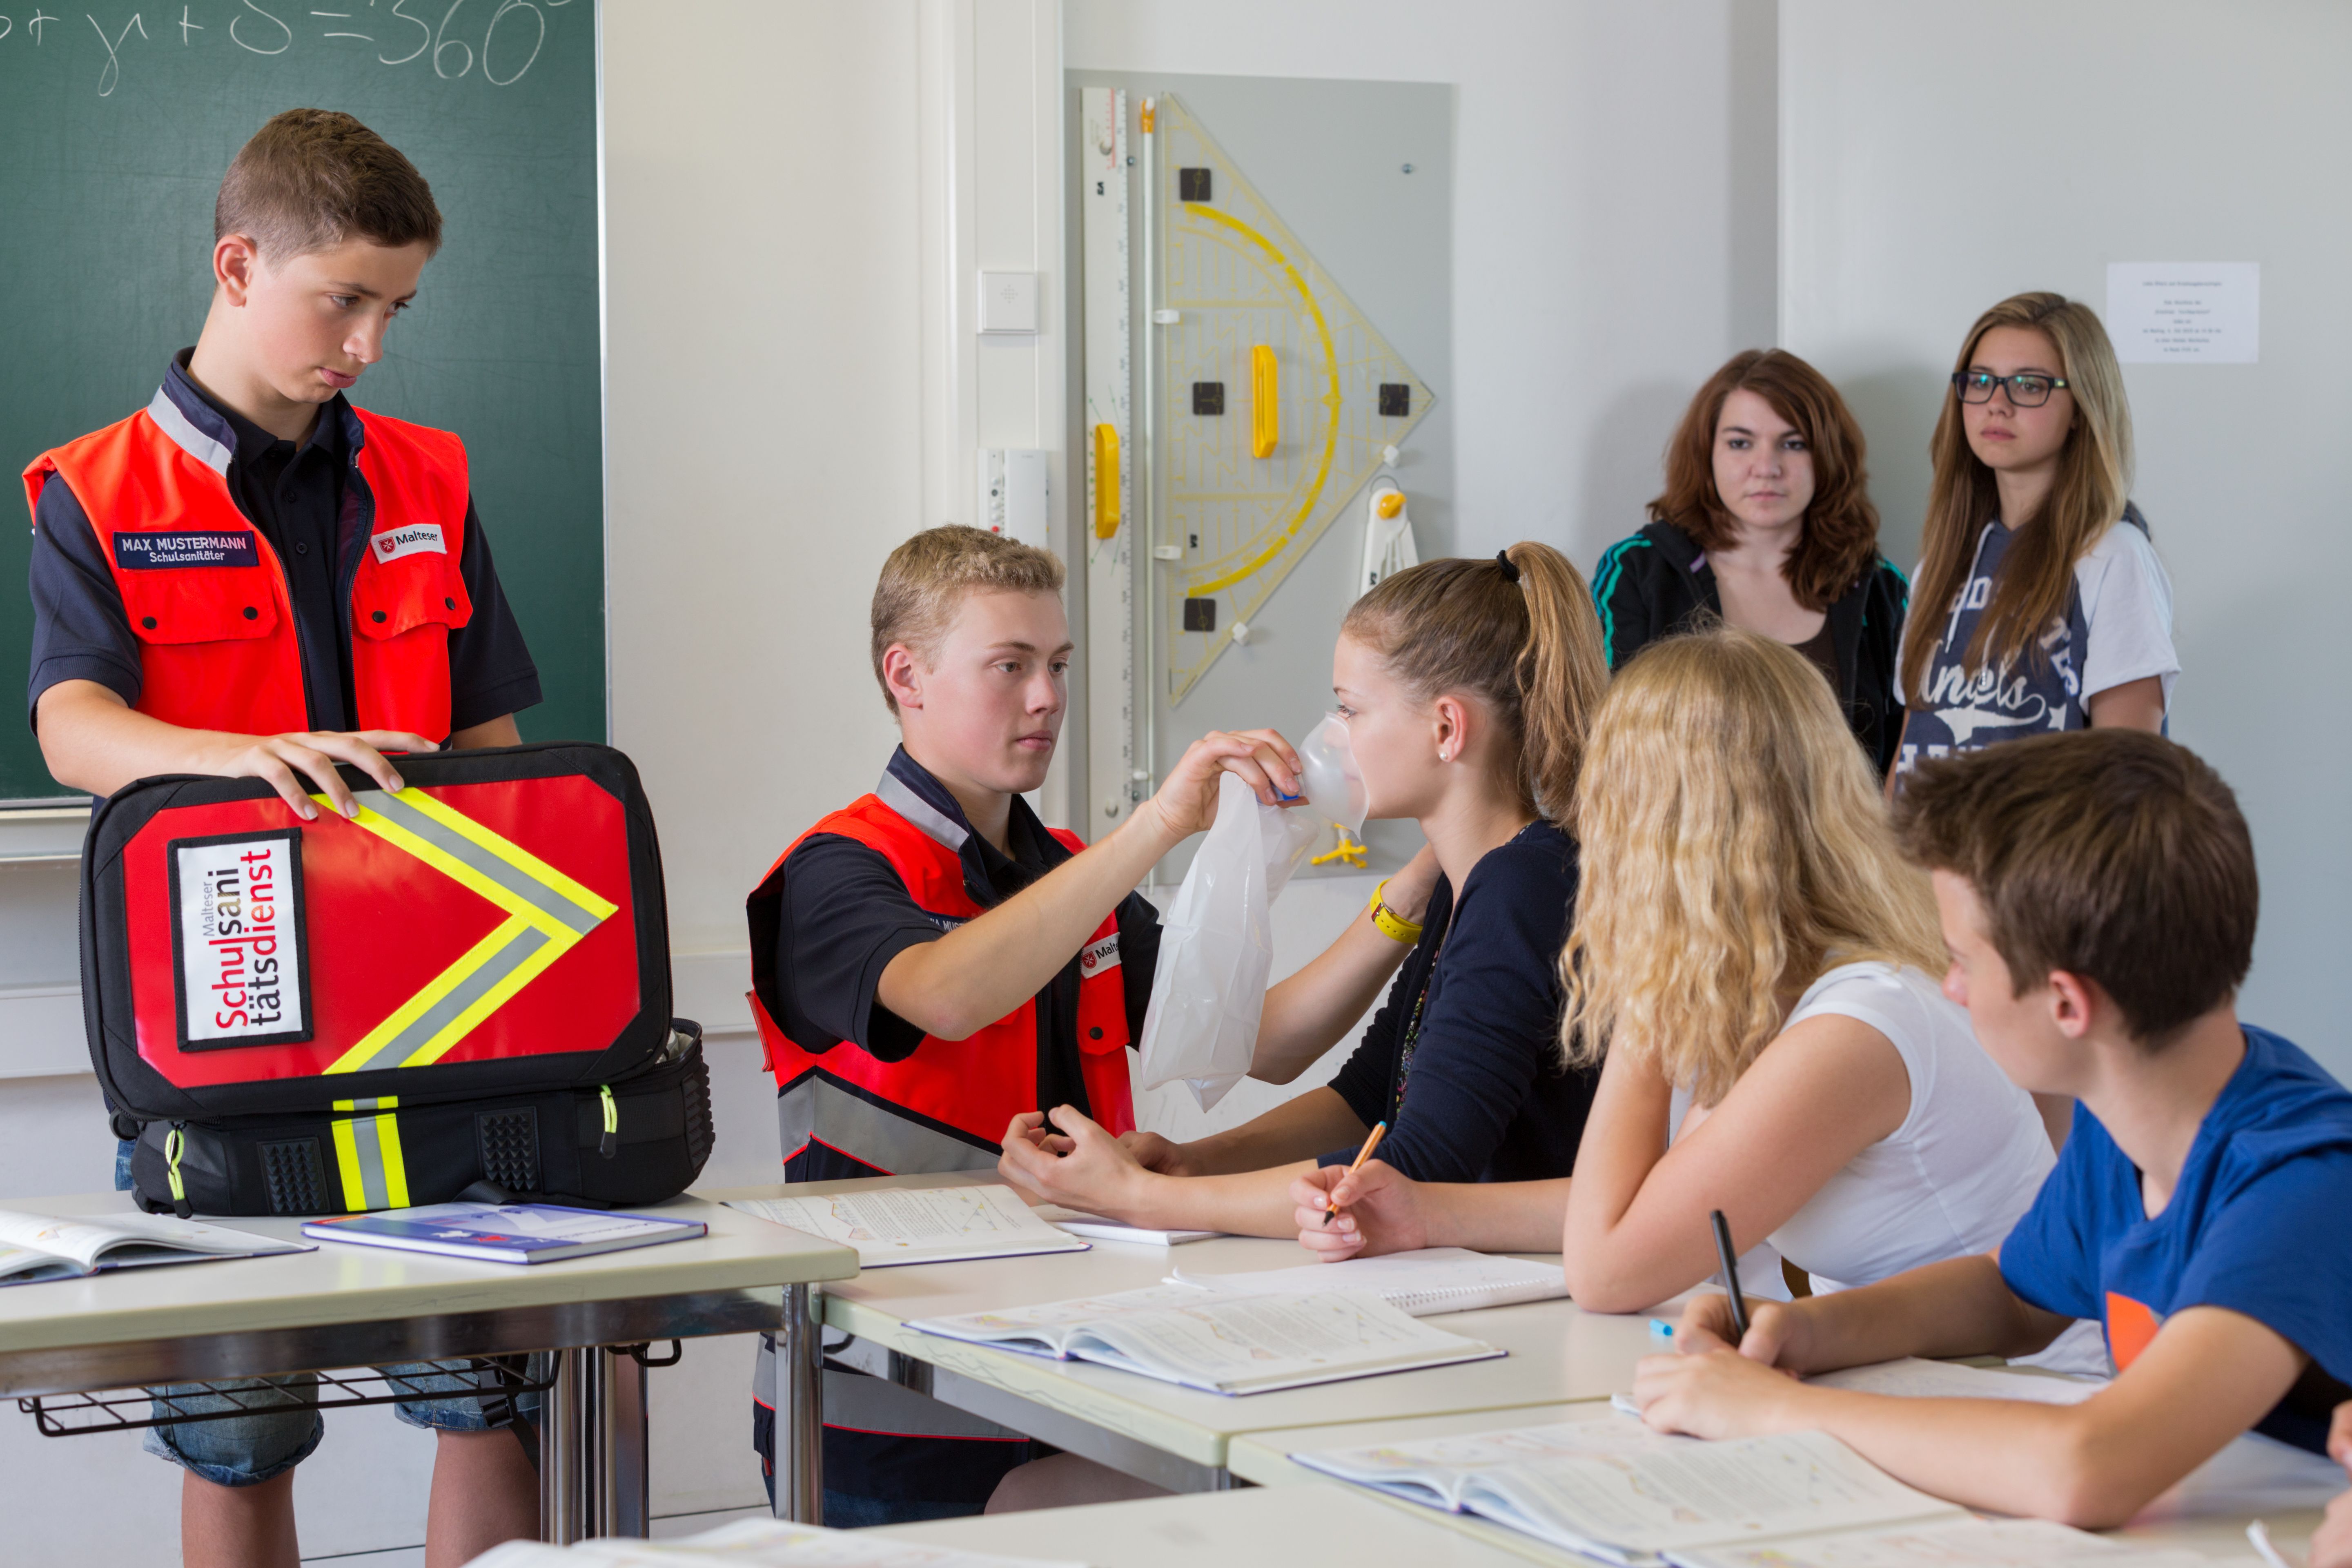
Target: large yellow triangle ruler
(547,914)
(1303,379)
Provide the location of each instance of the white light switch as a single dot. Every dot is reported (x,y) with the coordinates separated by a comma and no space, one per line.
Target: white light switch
(1008,301)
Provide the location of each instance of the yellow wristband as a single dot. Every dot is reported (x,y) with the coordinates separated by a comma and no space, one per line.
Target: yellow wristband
(1394,926)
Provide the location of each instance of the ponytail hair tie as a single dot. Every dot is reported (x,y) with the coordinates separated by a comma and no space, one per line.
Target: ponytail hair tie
(1510,570)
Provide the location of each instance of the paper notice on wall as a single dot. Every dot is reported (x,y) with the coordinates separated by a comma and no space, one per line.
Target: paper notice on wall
(2185,312)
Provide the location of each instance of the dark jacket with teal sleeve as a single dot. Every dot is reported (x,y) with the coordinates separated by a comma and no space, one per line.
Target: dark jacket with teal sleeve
(1656,583)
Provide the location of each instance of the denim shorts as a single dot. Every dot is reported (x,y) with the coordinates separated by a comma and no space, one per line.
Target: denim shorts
(245,1451)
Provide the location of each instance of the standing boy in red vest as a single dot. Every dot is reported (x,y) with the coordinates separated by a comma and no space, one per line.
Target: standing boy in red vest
(253,579)
(932,960)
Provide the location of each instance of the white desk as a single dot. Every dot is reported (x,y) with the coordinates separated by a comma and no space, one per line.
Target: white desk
(345,1306)
(2195,1514)
(1294,1527)
(1173,1436)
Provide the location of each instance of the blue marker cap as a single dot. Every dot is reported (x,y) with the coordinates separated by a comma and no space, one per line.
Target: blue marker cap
(1661,1331)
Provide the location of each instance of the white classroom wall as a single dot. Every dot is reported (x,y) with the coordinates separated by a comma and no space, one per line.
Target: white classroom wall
(1933,162)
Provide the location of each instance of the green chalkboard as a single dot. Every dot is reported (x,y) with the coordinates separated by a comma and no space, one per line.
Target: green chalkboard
(115,126)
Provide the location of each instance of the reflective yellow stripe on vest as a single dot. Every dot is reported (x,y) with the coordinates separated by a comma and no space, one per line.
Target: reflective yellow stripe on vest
(367,1155)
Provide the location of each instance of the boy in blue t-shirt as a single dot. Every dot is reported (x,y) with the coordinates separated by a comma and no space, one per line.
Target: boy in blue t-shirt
(2097,893)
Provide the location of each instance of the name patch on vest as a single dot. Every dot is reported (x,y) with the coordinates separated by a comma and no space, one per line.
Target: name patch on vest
(411,539)
(161,552)
(1097,957)
(237,940)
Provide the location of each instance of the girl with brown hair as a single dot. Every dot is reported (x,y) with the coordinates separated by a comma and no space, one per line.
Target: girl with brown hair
(1766,523)
(2048,608)
(1466,687)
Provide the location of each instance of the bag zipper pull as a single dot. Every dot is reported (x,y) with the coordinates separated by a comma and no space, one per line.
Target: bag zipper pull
(173,1143)
(610,1143)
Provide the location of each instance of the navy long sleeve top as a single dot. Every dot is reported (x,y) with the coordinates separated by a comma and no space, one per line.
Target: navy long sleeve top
(1482,1095)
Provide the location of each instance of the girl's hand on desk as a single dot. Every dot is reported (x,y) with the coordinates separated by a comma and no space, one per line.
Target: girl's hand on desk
(1714,1392)
(1380,1211)
(1080,1167)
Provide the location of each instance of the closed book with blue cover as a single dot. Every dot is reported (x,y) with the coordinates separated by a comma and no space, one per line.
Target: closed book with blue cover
(504,1233)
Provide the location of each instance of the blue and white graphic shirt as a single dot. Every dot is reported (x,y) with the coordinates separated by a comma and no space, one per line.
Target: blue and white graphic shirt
(2118,629)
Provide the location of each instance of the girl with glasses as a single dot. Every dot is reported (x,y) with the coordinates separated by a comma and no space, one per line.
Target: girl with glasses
(2044,606)
(1765,521)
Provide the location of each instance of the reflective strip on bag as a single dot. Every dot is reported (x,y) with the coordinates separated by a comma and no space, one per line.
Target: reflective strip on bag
(367,1156)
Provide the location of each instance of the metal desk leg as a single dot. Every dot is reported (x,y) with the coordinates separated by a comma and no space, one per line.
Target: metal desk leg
(800,1408)
(629,1506)
(561,1468)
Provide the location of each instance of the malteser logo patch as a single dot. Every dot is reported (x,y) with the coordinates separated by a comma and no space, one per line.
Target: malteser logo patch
(237,936)
(409,539)
(159,552)
(1095,957)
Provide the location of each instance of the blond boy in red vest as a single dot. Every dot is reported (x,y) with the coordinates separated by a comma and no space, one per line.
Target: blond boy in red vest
(251,578)
(932,960)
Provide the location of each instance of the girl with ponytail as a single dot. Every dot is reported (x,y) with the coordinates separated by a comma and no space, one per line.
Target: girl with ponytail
(1466,687)
(1754,969)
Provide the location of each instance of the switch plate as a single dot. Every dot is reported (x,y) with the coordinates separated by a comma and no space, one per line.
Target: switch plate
(1008,301)
(1013,497)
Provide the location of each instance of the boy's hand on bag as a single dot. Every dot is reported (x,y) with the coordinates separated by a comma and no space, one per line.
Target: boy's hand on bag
(1380,1211)
(283,762)
(1187,800)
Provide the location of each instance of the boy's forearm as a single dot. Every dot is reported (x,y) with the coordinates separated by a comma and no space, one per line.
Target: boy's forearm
(1958,1308)
(991,963)
(2008,1455)
(92,741)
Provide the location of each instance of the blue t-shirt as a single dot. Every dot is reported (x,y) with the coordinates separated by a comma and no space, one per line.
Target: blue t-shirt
(2261,1223)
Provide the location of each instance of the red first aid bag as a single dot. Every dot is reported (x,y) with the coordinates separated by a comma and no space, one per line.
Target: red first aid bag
(469,983)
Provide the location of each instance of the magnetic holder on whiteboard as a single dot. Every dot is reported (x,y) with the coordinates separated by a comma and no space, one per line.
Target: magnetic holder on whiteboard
(1191,184)
(1208,397)
(1200,615)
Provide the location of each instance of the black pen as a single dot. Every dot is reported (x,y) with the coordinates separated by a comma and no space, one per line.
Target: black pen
(1730,1274)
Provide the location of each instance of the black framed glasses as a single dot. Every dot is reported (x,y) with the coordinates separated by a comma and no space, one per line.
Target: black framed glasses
(2025,389)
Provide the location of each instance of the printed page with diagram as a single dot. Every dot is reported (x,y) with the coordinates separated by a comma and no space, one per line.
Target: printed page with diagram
(919,1225)
(1225,1345)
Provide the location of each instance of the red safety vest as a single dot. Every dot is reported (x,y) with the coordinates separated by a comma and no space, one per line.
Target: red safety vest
(969,1088)
(206,594)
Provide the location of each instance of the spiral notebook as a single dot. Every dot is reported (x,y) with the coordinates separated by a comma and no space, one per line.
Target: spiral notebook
(1422,1284)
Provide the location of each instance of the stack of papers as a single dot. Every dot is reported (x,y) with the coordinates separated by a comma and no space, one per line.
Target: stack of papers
(1095,1227)
(754,1543)
(890,1226)
(1423,1284)
(1218,1343)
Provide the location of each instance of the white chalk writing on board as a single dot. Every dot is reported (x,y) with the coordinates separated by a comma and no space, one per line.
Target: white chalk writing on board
(510,35)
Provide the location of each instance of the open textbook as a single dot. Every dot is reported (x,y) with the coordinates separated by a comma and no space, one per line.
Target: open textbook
(1219,1342)
(751,1544)
(35,1246)
(1615,1489)
(919,1225)
(1432,1280)
(1955,1543)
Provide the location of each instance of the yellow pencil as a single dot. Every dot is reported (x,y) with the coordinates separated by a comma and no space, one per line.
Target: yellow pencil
(1331,1211)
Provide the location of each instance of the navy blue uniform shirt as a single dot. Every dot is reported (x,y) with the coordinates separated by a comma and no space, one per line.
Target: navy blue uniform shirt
(296,499)
(1484,1096)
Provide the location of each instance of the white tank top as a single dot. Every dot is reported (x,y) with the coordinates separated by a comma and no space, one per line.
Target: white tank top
(1954,1177)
